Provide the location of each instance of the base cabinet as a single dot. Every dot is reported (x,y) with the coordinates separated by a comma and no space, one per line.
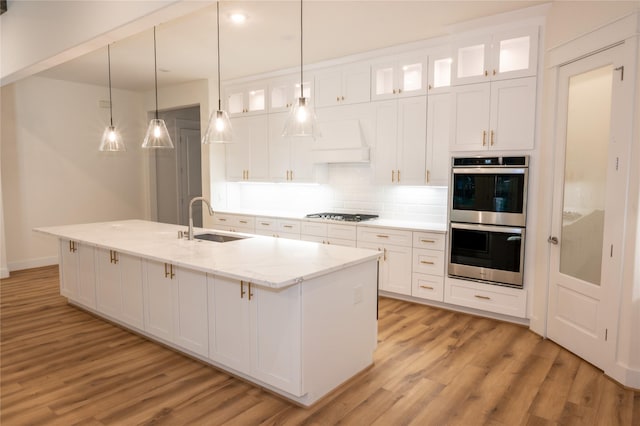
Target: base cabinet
(256,331)
(119,286)
(176,306)
(77,273)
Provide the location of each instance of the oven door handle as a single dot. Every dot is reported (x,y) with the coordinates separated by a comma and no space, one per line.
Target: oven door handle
(488,228)
(489,171)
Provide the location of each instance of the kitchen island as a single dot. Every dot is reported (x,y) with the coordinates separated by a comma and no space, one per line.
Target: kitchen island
(294,317)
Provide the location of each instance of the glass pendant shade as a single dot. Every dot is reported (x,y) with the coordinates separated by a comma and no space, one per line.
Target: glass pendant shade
(111,140)
(157,135)
(301,120)
(219,129)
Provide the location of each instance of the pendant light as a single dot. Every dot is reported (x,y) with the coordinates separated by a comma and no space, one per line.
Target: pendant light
(302,118)
(111,140)
(157,135)
(219,128)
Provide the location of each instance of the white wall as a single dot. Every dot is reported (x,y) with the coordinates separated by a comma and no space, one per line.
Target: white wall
(52,171)
(38,34)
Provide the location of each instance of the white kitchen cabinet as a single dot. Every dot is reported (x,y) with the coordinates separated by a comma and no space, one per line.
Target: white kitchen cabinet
(401,138)
(438,130)
(399,76)
(439,72)
(487,297)
(77,272)
(347,84)
(119,287)
(501,55)
(234,222)
(256,331)
(494,116)
(290,158)
(284,91)
(278,227)
(246,99)
(329,233)
(247,157)
(395,263)
(175,306)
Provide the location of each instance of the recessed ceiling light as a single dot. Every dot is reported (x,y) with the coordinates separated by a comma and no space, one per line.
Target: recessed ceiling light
(238,17)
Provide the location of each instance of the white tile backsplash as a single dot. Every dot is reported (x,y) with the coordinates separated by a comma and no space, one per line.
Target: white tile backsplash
(349,189)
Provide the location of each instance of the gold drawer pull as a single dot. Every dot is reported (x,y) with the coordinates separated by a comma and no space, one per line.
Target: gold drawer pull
(287,226)
(250,293)
(427,262)
(265,224)
(243,221)
(382,236)
(428,287)
(168,271)
(427,241)
(222,219)
(242,292)
(478,296)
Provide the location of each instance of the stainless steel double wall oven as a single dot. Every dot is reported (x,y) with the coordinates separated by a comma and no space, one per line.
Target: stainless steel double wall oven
(488,212)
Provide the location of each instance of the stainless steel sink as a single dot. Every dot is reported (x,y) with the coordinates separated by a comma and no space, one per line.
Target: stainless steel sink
(218,238)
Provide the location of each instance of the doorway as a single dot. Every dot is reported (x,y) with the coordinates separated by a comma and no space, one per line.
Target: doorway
(589,187)
(178,173)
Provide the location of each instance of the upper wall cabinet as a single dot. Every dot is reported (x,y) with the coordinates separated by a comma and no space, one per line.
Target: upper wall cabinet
(290,159)
(247,157)
(399,76)
(508,54)
(246,99)
(348,84)
(439,74)
(284,91)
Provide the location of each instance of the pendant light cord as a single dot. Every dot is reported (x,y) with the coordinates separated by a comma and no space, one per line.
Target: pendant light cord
(110,101)
(155,64)
(301,57)
(218,37)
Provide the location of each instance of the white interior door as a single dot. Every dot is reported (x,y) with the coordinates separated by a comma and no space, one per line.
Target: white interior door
(586,247)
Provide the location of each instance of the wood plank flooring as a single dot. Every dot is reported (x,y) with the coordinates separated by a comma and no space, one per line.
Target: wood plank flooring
(62,366)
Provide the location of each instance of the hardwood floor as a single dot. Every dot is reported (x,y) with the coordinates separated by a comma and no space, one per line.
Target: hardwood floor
(60,365)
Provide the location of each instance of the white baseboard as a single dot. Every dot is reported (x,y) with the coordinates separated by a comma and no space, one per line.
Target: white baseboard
(33,263)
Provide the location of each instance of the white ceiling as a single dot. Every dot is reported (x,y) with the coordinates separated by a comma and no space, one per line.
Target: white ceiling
(270,38)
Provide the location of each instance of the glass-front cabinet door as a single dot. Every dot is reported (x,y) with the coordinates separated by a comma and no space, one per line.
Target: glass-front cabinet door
(507,54)
(439,74)
(246,99)
(400,76)
(283,92)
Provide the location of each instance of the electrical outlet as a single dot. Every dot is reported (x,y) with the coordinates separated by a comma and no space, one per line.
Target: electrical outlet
(357,295)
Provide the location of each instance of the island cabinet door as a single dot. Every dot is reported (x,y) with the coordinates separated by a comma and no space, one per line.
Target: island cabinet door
(131,285)
(108,287)
(190,311)
(229,323)
(275,324)
(158,299)
(68,269)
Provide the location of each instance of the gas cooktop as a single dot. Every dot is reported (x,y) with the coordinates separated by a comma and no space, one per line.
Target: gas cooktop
(345,217)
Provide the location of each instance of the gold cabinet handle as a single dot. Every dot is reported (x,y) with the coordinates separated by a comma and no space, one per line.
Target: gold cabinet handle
(427,262)
(494,72)
(430,87)
(114,256)
(486,73)
(428,287)
(479,296)
(382,236)
(242,292)
(384,254)
(398,176)
(168,271)
(73,247)
(491,138)
(243,221)
(250,293)
(222,219)
(265,224)
(399,91)
(422,240)
(428,176)
(291,171)
(247,174)
(394,91)
(287,226)
(393,176)
(484,137)
(342,98)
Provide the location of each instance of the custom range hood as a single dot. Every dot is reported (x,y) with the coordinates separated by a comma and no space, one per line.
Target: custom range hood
(346,136)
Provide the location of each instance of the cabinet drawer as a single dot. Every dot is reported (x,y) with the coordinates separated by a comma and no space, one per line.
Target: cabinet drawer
(313,238)
(341,242)
(264,224)
(314,228)
(428,261)
(429,240)
(502,300)
(289,227)
(427,287)
(344,232)
(245,222)
(385,236)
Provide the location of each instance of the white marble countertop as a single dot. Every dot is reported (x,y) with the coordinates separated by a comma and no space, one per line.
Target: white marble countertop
(266,261)
(383,223)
